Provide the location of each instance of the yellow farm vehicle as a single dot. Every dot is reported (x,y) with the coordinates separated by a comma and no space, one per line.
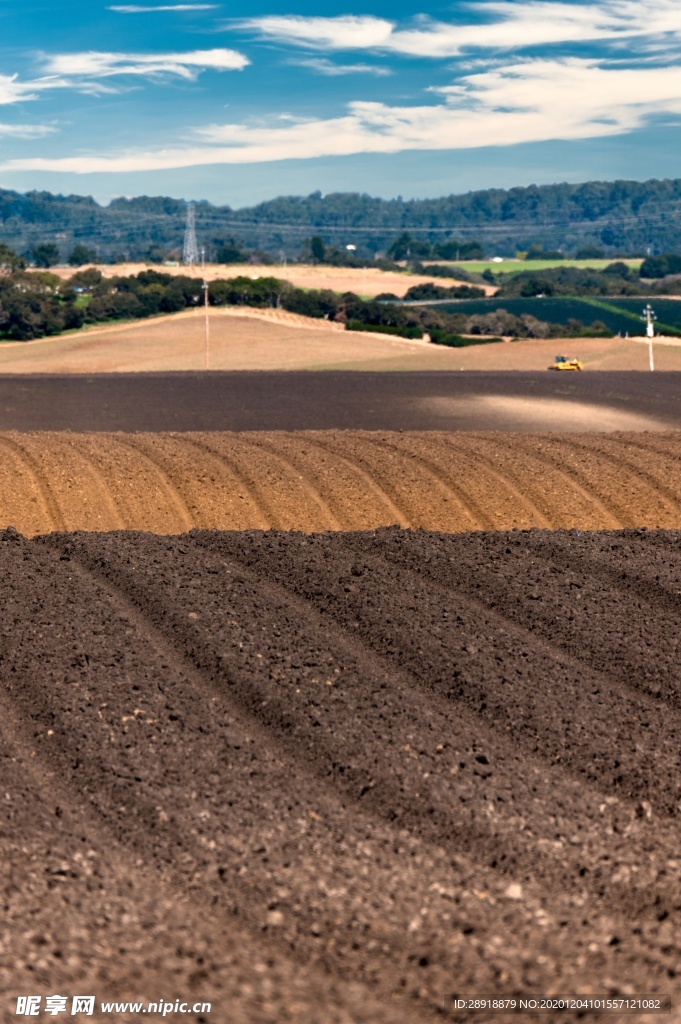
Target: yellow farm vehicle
(563,363)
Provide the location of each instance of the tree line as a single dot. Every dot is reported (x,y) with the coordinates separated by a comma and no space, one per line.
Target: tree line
(38,304)
(611,217)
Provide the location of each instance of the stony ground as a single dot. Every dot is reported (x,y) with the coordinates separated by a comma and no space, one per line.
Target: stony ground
(341,777)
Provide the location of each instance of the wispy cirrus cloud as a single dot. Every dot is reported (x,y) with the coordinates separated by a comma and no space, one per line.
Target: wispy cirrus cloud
(323,66)
(26,131)
(507,25)
(14,90)
(139,9)
(348,32)
(84,72)
(94,64)
(529,101)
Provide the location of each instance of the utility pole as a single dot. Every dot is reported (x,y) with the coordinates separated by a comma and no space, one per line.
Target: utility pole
(207,339)
(650,318)
(353,248)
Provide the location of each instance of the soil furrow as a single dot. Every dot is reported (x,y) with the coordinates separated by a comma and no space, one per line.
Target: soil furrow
(474,517)
(572,619)
(611,514)
(524,512)
(364,847)
(175,499)
(134,805)
(643,487)
(230,478)
(351,479)
(538,717)
(312,749)
(524,853)
(321,506)
(645,467)
(99,492)
(236,460)
(371,487)
(40,480)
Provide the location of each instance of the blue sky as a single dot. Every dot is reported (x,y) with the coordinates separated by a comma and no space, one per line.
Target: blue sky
(238,103)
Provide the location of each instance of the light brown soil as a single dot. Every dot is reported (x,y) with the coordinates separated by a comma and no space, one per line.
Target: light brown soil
(338,480)
(275,340)
(368,282)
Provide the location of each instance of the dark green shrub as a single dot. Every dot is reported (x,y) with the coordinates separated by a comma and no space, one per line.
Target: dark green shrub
(457,341)
(401,332)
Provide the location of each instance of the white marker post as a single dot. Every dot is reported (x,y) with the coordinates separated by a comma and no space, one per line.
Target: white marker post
(650,318)
(207,341)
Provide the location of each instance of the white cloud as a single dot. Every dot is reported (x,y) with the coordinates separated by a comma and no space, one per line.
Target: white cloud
(508,25)
(26,131)
(94,64)
(81,71)
(13,90)
(323,66)
(348,32)
(135,9)
(530,101)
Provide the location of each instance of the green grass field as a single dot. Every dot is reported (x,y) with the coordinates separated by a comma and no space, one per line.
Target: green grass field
(517,266)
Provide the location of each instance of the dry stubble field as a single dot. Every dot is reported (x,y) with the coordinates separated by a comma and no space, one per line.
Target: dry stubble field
(243,339)
(369,282)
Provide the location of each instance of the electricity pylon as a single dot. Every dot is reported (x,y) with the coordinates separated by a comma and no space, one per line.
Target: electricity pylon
(190,252)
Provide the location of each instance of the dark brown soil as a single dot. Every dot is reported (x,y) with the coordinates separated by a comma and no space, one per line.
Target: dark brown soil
(340,777)
(429,400)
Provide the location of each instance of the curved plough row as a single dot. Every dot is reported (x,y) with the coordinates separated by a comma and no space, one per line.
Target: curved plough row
(338,480)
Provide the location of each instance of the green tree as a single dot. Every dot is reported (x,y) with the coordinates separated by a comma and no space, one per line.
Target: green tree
(45,255)
(230,251)
(453,249)
(618,269)
(405,248)
(88,278)
(81,255)
(9,261)
(317,248)
(660,266)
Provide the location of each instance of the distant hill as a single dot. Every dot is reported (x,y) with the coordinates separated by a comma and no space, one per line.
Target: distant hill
(619,217)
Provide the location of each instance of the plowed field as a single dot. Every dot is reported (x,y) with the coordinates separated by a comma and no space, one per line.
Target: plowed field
(342,777)
(338,480)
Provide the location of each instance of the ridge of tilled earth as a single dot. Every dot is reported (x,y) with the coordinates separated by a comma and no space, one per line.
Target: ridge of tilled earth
(340,777)
(338,480)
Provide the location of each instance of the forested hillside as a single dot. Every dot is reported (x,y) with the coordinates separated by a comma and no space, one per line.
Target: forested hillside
(618,217)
